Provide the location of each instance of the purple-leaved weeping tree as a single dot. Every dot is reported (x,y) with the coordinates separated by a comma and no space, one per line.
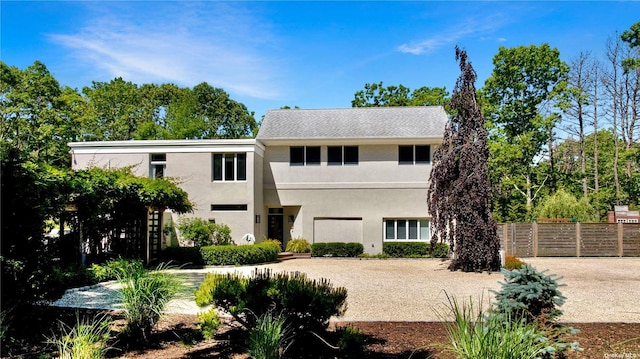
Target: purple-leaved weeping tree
(459,190)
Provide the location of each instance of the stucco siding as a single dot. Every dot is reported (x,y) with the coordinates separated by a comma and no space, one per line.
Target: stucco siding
(372,205)
(191,164)
(377,164)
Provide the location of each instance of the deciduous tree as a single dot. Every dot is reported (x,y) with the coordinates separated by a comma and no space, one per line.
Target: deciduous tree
(459,191)
(522,89)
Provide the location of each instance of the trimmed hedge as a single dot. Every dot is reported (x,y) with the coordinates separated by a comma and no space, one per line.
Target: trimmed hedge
(337,249)
(240,255)
(415,249)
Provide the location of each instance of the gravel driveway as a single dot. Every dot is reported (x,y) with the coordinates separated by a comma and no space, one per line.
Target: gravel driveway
(597,289)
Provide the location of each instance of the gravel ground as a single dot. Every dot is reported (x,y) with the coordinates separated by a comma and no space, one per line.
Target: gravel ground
(597,289)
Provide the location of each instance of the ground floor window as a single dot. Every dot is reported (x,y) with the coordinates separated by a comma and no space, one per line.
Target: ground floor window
(406,230)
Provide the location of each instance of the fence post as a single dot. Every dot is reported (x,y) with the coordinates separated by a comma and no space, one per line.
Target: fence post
(578,239)
(505,235)
(620,242)
(513,238)
(535,239)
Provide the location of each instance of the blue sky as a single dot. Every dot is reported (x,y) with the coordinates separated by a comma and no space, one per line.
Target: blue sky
(306,54)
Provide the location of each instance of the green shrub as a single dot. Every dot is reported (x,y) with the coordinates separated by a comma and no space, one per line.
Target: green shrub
(205,233)
(298,245)
(182,256)
(116,268)
(73,276)
(415,249)
(268,338)
(406,249)
(145,296)
(440,250)
(337,249)
(529,293)
(86,340)
(534,296)
(240,255)
(350,341)
(208,322)
(308,304)
(472,335)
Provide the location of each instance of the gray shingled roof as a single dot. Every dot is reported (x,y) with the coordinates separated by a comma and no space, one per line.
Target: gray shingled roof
(368,122)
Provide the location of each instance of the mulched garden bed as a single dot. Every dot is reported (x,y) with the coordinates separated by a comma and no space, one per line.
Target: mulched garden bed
(176,336)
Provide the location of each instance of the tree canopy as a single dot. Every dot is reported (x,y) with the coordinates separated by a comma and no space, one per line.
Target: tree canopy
(521,103)
(377,95)
(40,117)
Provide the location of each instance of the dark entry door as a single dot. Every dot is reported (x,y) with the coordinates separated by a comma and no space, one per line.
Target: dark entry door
(276,224)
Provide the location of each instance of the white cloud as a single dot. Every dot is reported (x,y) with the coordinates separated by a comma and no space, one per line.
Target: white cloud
(456,32)
(186,45)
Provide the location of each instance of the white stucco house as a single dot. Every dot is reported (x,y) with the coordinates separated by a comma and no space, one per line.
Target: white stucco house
(326,175)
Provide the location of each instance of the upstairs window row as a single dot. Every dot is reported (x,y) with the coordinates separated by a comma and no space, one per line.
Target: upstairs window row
(336,155)
(349,155)
(225,167)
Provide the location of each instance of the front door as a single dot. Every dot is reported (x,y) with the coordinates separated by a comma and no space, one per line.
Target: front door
(276,224)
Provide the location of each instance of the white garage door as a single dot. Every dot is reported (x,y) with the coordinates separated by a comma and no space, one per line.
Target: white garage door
(337,230)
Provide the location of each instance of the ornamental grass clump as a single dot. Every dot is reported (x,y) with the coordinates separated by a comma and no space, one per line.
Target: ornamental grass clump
(269,338)
(298,245)
(145,295)
(86,340)
(473,335)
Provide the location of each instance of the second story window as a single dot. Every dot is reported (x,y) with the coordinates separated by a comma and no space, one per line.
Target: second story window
(418,154)
(342,155)
(158,165)
(229,166)
(304,155)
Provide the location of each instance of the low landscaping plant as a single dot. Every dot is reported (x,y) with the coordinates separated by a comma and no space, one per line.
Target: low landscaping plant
(308,304)
(205,233)
(86,340)
(208,322)
(351,341)
(512,262)
(534,296)
(337,249)
(115,268)
(531,294)
(473,335)
(264,252)
(145,295)
(269,338)
(415,250)
(298,245)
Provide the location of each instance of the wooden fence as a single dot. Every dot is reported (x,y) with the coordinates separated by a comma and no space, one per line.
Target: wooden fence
(570,239)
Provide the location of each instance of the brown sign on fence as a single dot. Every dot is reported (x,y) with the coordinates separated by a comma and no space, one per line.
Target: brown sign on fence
(570,239)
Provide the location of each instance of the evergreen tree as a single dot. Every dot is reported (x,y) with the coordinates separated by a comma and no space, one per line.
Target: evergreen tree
(459,190)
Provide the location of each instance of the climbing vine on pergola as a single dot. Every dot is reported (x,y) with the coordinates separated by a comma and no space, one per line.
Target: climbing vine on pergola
(459,189)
